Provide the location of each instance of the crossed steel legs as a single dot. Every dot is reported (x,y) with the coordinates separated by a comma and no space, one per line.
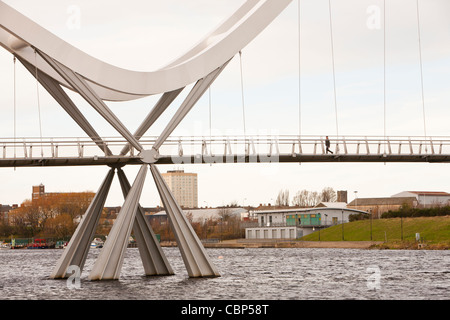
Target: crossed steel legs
(131,216)
(109,262)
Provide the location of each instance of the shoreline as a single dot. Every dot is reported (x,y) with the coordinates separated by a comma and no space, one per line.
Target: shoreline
(368,245)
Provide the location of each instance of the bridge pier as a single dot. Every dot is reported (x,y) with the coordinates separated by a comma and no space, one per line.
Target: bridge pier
(152,255)
(192,251)
(109,262)
(78,247)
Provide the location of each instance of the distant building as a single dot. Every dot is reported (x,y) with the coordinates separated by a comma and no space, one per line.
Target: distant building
(184,187)
(427,198)
(38,191)
(378,206)
(4,211)
(200,215)
(78,199)
(295,223)
(341,196)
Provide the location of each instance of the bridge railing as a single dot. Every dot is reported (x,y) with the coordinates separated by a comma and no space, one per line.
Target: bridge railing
(63,147)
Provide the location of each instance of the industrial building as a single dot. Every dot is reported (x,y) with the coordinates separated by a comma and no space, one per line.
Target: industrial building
(295,223)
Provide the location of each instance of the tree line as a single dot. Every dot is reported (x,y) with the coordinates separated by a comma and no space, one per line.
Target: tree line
(51,216)
(306,198)
(226,226)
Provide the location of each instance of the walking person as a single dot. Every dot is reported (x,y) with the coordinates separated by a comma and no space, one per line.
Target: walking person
(327,144)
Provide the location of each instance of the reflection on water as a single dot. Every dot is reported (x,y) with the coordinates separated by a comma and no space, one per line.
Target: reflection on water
(265,274)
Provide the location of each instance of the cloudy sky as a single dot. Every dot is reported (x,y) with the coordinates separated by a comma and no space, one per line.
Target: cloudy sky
(145,35)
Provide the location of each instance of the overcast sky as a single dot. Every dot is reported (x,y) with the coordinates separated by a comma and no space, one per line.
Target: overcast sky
(145,35)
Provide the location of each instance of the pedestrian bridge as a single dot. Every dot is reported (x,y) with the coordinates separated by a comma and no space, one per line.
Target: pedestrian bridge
(22,152)
(57,66)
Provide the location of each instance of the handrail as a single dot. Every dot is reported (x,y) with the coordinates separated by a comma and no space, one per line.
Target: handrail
(232,145)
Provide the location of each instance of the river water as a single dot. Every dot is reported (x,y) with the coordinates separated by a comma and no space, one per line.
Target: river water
(252,273)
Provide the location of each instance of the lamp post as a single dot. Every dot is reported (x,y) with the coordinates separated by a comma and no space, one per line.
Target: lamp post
(370,212)
(401,224)
(342,222)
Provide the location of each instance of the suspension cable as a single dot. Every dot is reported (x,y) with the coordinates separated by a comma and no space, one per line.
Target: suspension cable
(421,69)
(334,73)
(242,96)
(210,134)
(38,100)
(15,105)
(384,73)
(299,76)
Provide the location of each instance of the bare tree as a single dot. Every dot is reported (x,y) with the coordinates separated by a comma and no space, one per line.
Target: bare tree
(305,198)
(328,195)
(225,214)
(301,198)
(282,198)
(313,199)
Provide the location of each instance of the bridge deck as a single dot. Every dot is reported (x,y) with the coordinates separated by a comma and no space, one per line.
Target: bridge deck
(250,149)
(119,161)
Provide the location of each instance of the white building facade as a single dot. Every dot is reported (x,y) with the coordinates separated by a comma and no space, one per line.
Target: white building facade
(295,223)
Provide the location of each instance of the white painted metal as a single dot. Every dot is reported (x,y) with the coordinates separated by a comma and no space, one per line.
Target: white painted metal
(109,262)
(195,258)
(179,147)
(84,89)
(152,255)
(76,251)
(162,104)
(197,91)
(55,90)
(19,35)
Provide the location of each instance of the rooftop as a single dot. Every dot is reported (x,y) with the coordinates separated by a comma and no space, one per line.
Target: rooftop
(382,201)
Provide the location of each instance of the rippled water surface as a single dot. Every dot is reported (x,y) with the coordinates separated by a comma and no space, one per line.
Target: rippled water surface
(286,274)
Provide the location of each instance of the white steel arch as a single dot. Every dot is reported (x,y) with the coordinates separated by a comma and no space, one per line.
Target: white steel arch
(56,63)
(21,36)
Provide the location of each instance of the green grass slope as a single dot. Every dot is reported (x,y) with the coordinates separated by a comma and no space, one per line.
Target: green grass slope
(431,229)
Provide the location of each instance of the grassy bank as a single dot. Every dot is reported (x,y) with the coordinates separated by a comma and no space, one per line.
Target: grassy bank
(394,232)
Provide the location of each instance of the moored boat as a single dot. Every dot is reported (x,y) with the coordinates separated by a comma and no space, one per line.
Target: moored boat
(38,244)
(97,243)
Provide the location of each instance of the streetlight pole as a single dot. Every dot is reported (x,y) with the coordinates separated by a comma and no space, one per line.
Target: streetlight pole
(342,222)
(401,224)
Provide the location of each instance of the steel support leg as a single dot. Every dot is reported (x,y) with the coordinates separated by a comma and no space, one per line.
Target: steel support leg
(152,255)
(55,90)
(109,262)
(78,247)
(194,254)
